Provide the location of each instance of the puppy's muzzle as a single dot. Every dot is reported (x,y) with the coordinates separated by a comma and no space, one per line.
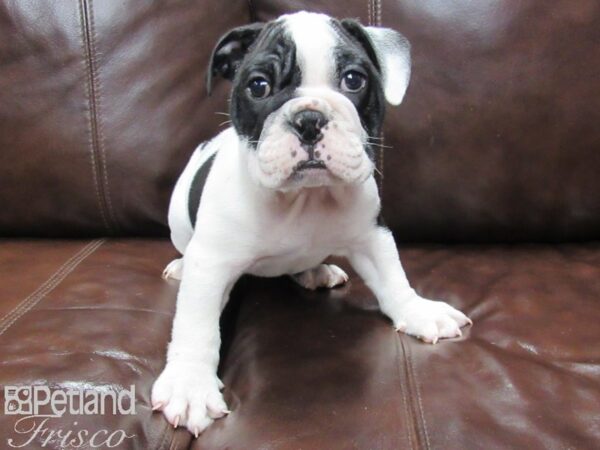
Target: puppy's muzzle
(307,125)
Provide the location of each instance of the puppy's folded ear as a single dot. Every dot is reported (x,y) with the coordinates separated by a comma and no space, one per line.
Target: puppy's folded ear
(390,52)
(230,51)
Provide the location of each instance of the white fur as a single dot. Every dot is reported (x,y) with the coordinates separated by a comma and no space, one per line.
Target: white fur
(342,146)
(314,39)
(324,275)
(253,219)
(393,54)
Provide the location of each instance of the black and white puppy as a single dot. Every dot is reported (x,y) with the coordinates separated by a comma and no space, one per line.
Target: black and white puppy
(289,184)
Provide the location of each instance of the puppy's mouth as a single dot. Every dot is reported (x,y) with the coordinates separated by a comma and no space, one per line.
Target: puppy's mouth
(310,164)
(311,173)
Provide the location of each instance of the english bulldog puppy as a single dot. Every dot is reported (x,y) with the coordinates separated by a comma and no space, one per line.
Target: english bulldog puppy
(289,184)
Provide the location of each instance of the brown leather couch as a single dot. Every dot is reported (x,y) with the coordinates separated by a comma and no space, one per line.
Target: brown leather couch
(491,186)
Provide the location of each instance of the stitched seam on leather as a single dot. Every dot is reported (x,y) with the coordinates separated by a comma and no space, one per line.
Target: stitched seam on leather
(417,426)
(251,11)
(99,121)
(94,139)
(417,390)
(90,143)
(17,308)
(405,397)
(421,410)
(88,87)
(176,445)
(47,286)
(174,441)
(162,444)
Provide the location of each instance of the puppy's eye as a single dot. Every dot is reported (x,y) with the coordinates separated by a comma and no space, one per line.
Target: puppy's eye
(259,87)
(353,81)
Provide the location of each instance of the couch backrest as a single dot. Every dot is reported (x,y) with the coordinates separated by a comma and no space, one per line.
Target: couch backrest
(101,104)
(498,138)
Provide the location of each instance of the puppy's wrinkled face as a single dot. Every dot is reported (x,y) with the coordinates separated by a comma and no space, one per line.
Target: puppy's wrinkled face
(308,96)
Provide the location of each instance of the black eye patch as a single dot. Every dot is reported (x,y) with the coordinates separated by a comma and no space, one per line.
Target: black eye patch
(273,58)
(369,101)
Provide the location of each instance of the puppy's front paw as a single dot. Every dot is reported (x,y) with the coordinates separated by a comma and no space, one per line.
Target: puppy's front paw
(430,320)
(189,396)
(324,275)
(174,269)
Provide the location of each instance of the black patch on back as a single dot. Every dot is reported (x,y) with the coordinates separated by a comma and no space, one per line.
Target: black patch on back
(197,186)
(273,56)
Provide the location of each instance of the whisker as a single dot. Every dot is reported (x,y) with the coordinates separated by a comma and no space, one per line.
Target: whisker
(222,113)
(224,123)
(378,171)
(379,145)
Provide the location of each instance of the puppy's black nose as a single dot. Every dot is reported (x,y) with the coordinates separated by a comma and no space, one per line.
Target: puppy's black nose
(307,125)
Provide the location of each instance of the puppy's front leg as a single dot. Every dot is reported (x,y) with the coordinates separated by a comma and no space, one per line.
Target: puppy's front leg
(376,260)
(188,390)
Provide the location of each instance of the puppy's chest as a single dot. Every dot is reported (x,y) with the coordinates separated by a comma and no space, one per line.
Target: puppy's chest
(298,239)
(294,251)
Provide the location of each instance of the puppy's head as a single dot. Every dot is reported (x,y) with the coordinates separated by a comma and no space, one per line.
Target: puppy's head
(308,96)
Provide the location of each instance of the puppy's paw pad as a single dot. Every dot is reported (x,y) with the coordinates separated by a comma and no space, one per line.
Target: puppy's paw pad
(173,270)
(322,276)
(431,320)
(188,396)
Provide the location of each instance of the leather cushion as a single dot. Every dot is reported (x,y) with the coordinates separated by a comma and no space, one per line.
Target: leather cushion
(327,370)
(322,369)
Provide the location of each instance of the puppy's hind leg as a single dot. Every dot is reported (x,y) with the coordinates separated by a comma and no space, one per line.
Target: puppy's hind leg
(322,276)
(174,269)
